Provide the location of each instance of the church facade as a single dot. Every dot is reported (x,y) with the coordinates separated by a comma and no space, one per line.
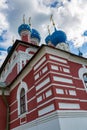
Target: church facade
(42,87)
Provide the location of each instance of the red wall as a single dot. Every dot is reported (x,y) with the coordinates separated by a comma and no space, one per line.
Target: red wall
(2,114)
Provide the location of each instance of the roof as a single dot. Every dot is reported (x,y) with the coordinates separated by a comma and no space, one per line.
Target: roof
(39,49)
(17,42)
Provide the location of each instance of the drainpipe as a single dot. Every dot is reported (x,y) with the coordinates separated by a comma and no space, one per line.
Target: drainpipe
(7,106)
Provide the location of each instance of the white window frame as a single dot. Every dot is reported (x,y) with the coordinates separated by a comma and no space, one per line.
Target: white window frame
(24,86)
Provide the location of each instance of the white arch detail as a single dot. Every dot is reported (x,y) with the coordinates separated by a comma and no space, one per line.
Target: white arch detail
(81,72)
(25,87)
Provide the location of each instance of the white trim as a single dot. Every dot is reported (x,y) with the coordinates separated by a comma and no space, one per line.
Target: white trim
(33,125)
(31,88)
(50,72)
(67,86)
(44,69)
(60,74)
(59,91)
(48,93)
(51,63)
(77,78)
(22,85)
(83,100)
(13,103)
(57,98)
(39,99)
(54,67)
(41,78)
(30,49)
(13,120)
(31,99)
(83,89)
(36,76)
(66,92)
(72,92)
(55,63)
(43,83)
(60,79)
(46,110)
(40,62)
(13,111)
(66,70)
(68,105)
(70,99)
(57,59)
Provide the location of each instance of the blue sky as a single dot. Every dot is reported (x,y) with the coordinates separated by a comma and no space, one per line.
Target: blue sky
(69,16)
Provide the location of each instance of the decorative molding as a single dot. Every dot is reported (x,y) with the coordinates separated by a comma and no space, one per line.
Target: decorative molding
(48,93)
(68,105)
(42,84)
(33,125)
(46,110)
(72,92)
(39,63)
(60,79)
(44,69)
(54,67)
(59,91)
(39,99)
(57,59)
(66,70)
(36,76)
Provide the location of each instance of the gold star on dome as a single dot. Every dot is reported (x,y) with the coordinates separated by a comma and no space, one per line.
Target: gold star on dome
(51,19)
(24,18)
(29,20)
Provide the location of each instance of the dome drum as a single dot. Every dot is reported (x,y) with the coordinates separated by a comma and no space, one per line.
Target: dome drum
(35,35)
(58,37)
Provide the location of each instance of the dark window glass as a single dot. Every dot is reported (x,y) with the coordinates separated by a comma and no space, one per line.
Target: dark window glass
(22,101)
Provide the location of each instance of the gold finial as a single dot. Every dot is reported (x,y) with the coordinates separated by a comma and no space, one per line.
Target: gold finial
(51,19)
(29,21)
(24,18)
(13,39)
(48,29)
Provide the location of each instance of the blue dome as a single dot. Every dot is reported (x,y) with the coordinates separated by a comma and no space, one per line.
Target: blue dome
(58,37)
(48,39)
(23,27)
(9,49)
(35,34)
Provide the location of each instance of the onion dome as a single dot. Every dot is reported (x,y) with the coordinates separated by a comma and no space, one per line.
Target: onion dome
(35,34)
(58,36)
(9,49)
(24,27)
(48,39)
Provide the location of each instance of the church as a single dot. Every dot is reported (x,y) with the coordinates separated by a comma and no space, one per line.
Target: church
(43,87)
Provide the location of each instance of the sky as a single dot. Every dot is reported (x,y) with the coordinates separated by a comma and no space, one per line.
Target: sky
(69,16)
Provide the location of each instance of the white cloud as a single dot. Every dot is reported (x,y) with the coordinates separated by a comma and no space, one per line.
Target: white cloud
(3,23)
(3,4)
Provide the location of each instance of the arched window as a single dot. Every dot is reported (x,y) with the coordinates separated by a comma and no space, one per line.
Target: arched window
(22,98)
(85,79)
(22,101)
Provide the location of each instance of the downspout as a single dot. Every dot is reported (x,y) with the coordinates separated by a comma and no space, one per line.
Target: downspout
(7,106)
